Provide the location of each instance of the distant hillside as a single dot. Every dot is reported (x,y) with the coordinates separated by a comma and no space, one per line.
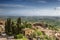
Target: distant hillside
(32,18)
(47,19)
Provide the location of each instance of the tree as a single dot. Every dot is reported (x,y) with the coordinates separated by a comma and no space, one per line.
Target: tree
(18,25)
(27,25)
(8,27)
(19,21)
(14,30)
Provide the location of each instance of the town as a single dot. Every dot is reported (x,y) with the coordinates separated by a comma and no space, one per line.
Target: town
(18,30)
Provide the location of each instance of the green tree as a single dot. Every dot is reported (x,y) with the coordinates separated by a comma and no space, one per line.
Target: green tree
(8,27)
(27,25)
(18,25)
(14,30)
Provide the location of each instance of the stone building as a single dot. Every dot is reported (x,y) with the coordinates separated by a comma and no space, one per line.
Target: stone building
(2,26)
(28,31)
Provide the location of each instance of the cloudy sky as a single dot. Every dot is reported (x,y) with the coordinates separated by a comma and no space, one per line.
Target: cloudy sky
(30,7)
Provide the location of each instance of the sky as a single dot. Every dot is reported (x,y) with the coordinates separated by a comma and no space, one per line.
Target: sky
(30,7)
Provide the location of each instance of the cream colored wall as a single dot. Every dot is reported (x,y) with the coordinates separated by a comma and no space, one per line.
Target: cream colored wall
(2,29)
(29,32)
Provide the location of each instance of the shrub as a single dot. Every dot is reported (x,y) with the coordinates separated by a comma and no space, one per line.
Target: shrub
(19,36)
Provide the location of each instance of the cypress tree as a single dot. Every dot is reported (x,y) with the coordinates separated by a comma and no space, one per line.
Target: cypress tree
(13,28)
(8,27)
(19,25)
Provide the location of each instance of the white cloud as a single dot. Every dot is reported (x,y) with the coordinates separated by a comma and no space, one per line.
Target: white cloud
(57,8)
(31,12)
(34,12)
(15,6)
(11,5)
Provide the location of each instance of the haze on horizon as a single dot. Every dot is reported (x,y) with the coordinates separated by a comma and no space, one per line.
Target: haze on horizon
(30,7)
